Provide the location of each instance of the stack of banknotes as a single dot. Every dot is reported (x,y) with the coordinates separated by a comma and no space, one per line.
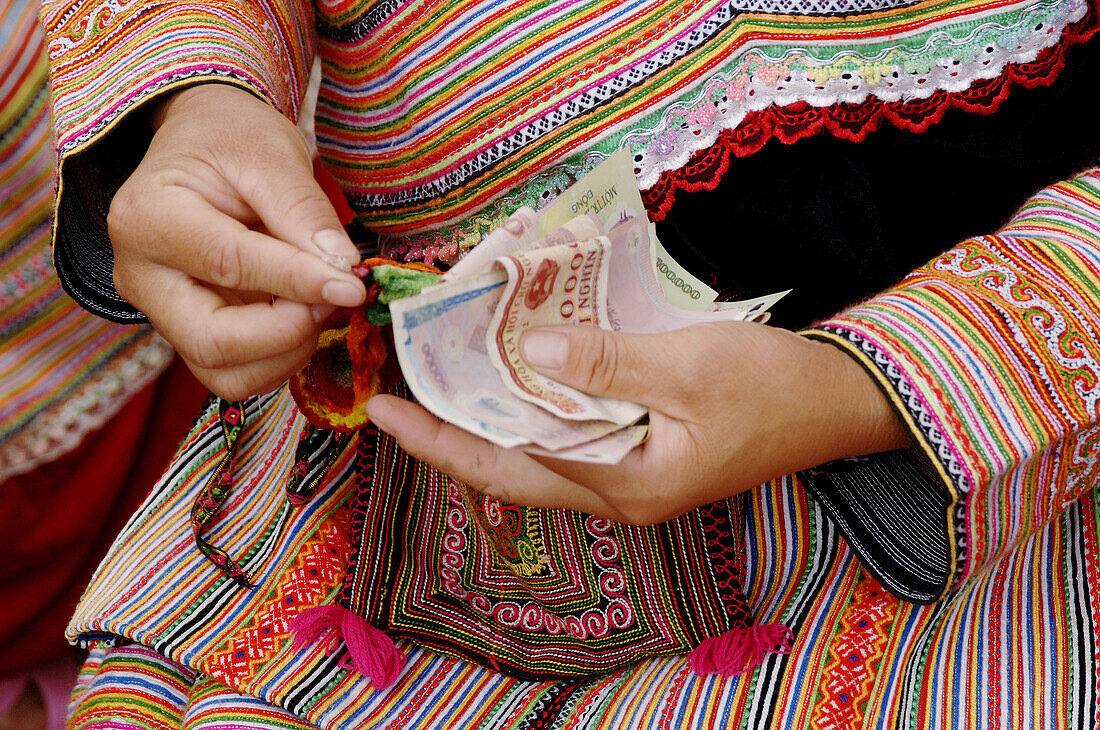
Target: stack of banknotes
(591,258)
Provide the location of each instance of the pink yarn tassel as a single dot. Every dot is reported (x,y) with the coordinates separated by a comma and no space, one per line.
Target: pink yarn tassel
(370,651)
(740,650)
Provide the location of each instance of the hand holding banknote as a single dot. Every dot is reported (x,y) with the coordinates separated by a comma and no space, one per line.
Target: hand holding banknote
(589,259)
(731,404)
(555,347)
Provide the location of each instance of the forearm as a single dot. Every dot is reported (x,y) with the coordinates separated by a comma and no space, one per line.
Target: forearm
(989,354)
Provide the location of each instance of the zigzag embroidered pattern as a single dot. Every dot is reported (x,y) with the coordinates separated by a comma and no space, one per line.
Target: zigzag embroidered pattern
(309,581)
(430,112)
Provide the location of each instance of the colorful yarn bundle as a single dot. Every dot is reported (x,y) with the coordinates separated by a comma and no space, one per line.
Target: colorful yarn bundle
(370,652)
(354,356)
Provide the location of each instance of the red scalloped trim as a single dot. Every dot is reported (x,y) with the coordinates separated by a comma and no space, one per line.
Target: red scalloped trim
(855,121)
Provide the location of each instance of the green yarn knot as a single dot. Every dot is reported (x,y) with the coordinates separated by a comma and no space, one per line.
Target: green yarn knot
(397,283)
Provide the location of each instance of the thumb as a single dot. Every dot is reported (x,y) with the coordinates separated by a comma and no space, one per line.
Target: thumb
(593,360)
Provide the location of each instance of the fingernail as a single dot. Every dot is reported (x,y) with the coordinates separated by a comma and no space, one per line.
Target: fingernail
(320,311)
(544,349)
(336,244)
(337,262)
(342,293)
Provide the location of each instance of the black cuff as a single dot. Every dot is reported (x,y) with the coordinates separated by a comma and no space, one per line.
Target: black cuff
(83,255)
(890,508)
(89,180)
(900,510)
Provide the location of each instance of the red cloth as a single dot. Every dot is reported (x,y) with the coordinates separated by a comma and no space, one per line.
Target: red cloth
(58,521)
(332,190)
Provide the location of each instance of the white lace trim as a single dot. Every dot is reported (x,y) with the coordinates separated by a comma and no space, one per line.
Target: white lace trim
(725,99)
(721,102)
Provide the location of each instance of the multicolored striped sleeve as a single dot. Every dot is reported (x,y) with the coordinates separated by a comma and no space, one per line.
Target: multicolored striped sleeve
(991,355)
(107,60)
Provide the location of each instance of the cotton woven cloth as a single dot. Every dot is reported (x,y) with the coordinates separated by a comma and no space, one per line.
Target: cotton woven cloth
(434,143)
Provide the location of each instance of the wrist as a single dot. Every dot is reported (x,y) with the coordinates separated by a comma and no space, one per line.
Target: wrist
(197,97)
(864,419)
(832,409)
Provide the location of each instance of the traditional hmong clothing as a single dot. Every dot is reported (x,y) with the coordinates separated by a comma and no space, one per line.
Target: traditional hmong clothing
(85,424)
(952,584)
(62,373)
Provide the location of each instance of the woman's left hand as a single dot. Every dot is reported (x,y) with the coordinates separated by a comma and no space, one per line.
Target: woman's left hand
(732,405)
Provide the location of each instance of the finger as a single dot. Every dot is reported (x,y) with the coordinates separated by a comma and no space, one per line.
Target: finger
(505,474)
(263,158)
(620,486)
(213,334)
(199,240)
(646,487)
(292,205)
(638,368)
(254,378)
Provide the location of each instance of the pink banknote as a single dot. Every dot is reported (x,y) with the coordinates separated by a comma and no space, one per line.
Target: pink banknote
(554,285)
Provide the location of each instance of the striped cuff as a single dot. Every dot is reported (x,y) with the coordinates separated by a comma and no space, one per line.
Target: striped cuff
(890,506)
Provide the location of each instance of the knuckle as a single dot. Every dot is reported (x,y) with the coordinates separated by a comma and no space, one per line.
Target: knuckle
(121,212)
(302,200)
(500,492)
(223,266)
(133,280)
(204,350)
(242,382)
(164,174)
(597,361)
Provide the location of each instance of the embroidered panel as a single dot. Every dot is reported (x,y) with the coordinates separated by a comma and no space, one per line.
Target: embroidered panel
(533,593)
(63,372)
(439,119)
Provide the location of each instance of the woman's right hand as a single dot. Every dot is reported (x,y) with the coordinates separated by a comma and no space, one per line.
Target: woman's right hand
(220,237)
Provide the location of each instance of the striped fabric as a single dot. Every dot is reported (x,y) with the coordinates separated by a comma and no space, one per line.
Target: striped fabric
(440,118)
(213,706)
(131,683)
(992,348)
(860,655)
(1012,645)
(62,371)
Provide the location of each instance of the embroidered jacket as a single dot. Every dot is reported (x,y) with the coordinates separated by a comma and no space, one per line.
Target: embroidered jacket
(439,119)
